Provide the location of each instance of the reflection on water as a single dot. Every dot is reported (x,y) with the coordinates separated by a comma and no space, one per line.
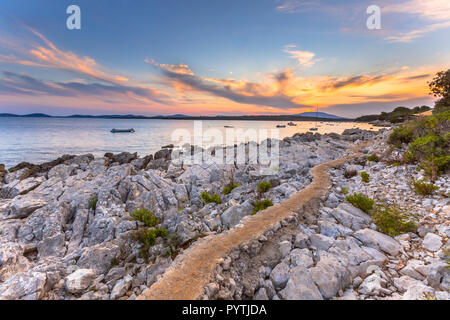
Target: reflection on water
(43,139)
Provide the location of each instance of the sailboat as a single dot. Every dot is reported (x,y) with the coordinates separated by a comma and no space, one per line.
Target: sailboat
(315,128)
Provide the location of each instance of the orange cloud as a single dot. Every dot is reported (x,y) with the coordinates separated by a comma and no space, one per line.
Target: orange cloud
(47,55)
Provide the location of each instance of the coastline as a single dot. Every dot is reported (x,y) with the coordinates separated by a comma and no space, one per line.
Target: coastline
(56,243)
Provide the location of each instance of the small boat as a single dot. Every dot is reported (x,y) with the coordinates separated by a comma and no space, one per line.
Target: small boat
(122,130)
(281,126)
(315,128)
(228,127)
(291,124)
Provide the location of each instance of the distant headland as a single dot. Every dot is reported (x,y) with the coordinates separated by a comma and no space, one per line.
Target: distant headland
(306,116)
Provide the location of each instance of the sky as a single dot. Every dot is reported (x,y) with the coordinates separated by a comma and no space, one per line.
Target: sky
(220,57)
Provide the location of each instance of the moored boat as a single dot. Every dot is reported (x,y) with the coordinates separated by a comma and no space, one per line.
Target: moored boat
(122,130)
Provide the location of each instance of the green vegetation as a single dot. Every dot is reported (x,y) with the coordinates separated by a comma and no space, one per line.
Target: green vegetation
(361,201)
(93,203)
(228,188)
(365,177)
(424,188)
(429,143)
(400,135)
(440,88)
(399,114)
(392,220)
(264,186)
(345,190)
(261,205)
(148,239)
(145,216)
(207,198)
(373,158)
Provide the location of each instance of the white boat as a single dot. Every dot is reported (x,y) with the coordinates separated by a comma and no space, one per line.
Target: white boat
(122,130)
(315,128)
(291,124)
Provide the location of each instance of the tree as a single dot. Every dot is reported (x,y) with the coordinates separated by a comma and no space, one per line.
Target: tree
(440,88)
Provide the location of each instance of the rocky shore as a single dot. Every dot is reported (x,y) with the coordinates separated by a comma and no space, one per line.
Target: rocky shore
(67,229)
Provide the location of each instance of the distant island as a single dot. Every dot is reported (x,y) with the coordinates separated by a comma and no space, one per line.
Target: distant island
(306,116)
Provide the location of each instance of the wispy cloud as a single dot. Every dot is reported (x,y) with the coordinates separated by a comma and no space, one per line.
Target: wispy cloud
(434,15)
(295,6)
(41,52)
(38,51)
(285,91)
(22,84)
(304,58)
(409,36)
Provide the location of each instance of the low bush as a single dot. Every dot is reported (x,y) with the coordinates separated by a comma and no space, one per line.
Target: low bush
(392,220)
(230,187)
(373,158)
(345,190)
(361,201)
(424,188)
(264,186)
(400,135)
(207,198)
(262,205)
(148,239)
(145,216)
(93,203)
(365,177)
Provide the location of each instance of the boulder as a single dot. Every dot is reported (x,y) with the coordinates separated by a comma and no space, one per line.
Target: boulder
(300,286)
(432,242)
(301,257)
(22,206)
(24,286)
(80,280)
(351,217)
(321,242)
(121,288)
(233,215)
(377,240)
(280,275)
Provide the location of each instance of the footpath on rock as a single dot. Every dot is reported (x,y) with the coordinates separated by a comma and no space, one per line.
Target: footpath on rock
(191,271)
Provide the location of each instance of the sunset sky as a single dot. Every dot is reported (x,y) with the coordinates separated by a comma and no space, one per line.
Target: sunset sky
(210,57)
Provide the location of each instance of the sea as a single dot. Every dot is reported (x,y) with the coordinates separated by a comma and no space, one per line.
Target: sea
(38,140)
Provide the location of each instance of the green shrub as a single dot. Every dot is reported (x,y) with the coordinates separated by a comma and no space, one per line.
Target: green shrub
(365,177)
(207,198)
(392,220)
(433,153)
(424,188)
(428,147)
(148,239)
(261,205)
(145,216)
(360,201)
(373,158)
(400,135)
(230,187)
(408,157)
(345,190)
(93,203)
(264,186)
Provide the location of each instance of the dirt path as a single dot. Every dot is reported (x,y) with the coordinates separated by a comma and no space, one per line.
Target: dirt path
(191,271)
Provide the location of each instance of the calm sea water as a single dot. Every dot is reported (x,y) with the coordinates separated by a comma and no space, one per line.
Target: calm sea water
(37,140)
